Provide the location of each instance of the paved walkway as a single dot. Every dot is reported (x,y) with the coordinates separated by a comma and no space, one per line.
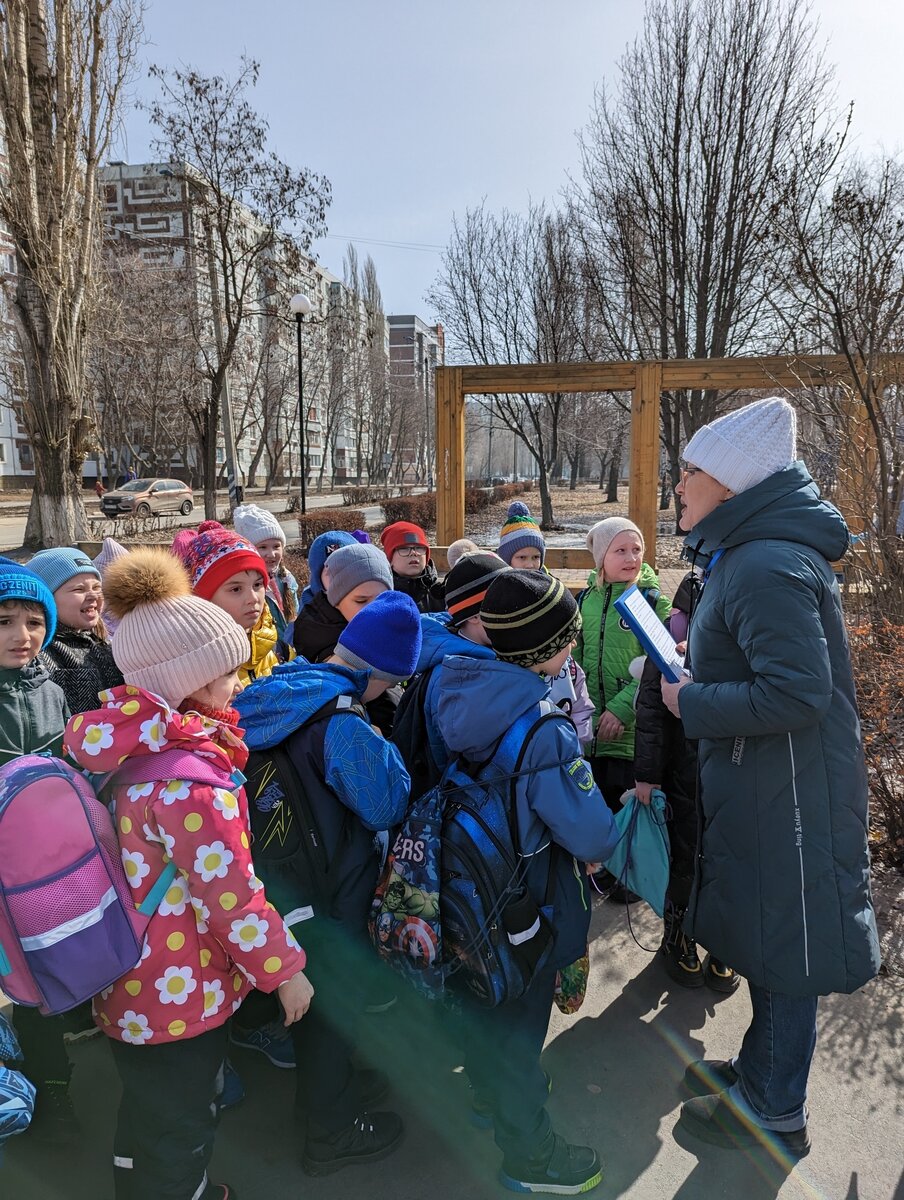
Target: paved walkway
(616,1067)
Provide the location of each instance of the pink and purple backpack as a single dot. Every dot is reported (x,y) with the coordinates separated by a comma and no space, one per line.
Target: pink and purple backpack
(68,924)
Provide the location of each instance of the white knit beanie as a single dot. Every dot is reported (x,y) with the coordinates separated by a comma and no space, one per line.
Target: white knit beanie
(256,525)
(745,447)
(601,536)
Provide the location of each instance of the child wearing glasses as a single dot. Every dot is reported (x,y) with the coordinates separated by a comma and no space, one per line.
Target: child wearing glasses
(413,573)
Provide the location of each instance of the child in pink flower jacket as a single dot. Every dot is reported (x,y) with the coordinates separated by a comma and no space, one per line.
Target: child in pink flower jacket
(214,935)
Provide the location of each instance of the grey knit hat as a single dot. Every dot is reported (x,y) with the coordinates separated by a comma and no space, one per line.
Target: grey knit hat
(352,565)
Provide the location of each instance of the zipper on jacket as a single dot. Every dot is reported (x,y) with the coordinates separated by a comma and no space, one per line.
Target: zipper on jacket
(599,662)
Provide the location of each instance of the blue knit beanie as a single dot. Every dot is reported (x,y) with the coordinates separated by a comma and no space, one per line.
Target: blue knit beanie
(519,532)
(383,638)
(61,564)
(20,583)
(321,548)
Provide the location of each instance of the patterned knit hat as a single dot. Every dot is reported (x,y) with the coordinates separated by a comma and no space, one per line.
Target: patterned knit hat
(403,533)
(467,583)
(352,565)
(59,565)
(601,536)
(383,638)
(745,447)
(21,583)
(215,555)
(182,544)
(168,641)
(519,532)
(321,548)
(257,525)
(529,617)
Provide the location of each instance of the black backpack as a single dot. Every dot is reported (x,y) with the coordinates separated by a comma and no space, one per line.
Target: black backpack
(410,736)
(300,830)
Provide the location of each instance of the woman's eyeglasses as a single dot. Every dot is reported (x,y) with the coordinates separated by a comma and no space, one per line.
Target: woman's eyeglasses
(687,471)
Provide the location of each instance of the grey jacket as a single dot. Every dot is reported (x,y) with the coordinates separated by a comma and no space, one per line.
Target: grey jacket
(782,891)
(33,713)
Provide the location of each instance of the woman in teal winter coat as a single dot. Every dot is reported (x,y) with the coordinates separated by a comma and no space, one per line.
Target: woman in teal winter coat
(782,889)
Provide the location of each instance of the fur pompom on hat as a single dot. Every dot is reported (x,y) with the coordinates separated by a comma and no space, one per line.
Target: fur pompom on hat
(215,555)
(520,532)
(745,447)
(601,536)
(459,549)
(529,617)
(383,638)
(168,641)
(257,525)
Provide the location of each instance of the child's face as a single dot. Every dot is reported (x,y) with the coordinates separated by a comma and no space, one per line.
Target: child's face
(528,559)
(553,666)
(80,602)
(271,551)
(242,596)
(409,560)
(359,597)
(219,694)
(375,688)
(21,634)
(624,558)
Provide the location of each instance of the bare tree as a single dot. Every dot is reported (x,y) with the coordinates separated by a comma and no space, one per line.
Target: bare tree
(63,65)
(246,200)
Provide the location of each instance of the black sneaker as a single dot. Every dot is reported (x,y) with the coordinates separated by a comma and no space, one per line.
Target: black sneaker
(679,952)
(716,1120)
(568,1171)
(54,1118)
(369,1137)
(719,977)
(710,1076)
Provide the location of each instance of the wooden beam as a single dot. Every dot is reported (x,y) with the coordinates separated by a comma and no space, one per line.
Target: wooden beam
(786,371)
(643,492)
(550,377)
(450,455)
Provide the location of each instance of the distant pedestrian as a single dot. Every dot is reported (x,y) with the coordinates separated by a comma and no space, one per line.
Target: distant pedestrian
(99,488)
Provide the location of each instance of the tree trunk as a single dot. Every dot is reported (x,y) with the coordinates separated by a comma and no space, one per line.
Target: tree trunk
(57,515)
(614,472)
(547,517)
(209,461)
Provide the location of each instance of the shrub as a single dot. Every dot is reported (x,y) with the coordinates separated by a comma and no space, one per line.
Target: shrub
(321,520)
(364,494)
(420,510)
(477,499)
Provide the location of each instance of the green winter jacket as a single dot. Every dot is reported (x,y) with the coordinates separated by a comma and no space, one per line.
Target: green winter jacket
(782,889)
(33,712)
(605,650)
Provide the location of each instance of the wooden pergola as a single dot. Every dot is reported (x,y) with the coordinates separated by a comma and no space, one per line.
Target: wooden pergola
(646,381)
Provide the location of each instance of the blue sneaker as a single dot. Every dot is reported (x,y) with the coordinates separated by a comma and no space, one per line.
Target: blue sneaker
(233,1092)
(273,1041)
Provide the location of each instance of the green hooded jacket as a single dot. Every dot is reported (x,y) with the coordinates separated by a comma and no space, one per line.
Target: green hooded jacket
(33,712)
(605,650)
(782,889)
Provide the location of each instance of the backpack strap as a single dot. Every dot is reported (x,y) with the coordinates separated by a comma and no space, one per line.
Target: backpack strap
(173,764)
(151,902)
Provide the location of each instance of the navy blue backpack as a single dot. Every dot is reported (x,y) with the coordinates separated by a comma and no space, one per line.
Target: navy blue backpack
(452,911)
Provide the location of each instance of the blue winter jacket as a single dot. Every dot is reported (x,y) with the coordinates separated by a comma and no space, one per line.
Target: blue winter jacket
(557,800)
(364,771)
(782,890)
(437,640)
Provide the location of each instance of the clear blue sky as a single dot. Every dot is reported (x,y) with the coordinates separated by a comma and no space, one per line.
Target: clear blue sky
(418,110)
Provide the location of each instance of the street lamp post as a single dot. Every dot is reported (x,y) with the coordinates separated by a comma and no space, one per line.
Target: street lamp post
(300,307)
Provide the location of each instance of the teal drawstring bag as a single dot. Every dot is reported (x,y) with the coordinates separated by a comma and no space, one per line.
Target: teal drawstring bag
(642,856)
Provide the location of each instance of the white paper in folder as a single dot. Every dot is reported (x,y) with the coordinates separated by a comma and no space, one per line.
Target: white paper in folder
(651,633)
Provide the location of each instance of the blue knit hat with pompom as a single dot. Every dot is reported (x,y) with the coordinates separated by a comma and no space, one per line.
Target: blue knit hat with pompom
(519,532)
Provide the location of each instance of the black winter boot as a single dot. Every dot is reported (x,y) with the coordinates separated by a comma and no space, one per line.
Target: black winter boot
(679,952)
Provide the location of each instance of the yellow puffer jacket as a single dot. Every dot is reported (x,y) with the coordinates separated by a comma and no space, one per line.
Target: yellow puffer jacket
(263,638)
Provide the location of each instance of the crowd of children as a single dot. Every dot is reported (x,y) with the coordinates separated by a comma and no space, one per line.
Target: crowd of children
(216,658)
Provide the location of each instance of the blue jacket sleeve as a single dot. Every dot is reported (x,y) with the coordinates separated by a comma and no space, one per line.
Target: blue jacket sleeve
(559,791)
(366,772)
(775,620)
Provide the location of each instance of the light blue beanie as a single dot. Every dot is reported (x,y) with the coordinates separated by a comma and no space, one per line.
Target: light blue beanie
(61,564)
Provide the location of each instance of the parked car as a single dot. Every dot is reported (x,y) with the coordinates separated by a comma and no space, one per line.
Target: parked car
(148,497)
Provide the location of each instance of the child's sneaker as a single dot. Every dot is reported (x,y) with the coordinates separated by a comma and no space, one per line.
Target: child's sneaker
(720,977)
(568,1171)
(273,1041)
(233,1091)
(369,1137)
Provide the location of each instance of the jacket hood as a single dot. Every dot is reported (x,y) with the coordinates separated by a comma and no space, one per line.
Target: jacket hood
(271,709)
(787,506)
(134,723)
(478,699)
(647,579)
(317,627)
(31,676)
(439,639)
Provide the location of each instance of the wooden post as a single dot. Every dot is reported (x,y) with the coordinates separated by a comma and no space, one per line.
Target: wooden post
(643,492)
(450,455)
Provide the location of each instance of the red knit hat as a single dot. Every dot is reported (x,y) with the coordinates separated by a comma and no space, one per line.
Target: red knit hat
(215,555)
(403,533)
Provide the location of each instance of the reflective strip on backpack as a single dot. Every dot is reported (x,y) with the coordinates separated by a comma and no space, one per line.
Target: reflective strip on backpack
(41,941)
(526,934)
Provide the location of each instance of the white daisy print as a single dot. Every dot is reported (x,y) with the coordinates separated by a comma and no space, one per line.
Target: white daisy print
(105,994)
(249,932)
(176,789)
(213,997)
(176,985)
(138,791)
(175,899)
(253,882)
(134,1028)
(145,951)
(291,940)
(212,862)
(226,803)
(162,838)
(202,915)
(135,867)
(97,737)
(153,734)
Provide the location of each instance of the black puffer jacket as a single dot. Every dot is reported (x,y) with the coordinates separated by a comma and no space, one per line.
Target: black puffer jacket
(427,590)
(82,665)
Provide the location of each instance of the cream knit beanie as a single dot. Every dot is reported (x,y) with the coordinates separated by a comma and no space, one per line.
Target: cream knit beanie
(601,536)
(745,447)
(168,641)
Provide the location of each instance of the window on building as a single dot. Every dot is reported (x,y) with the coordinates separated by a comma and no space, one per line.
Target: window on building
(26,458)
(2,453)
